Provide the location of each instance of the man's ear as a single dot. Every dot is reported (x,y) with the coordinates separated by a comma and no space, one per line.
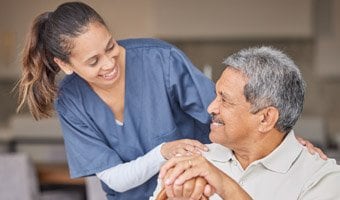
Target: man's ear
(66,68)
(268,118)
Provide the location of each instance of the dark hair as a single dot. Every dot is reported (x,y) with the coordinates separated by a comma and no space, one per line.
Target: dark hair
(50,37)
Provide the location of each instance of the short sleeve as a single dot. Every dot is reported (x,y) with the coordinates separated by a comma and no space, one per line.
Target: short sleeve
(86,149)
(325,187)
(189,87)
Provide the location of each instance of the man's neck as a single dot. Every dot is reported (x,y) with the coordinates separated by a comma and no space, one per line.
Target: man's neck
(258,149)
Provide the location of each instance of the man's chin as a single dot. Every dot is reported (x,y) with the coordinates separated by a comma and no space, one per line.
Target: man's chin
(212,136)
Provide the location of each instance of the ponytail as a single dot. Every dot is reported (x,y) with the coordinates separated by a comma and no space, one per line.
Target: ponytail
(50,37)
(37,85)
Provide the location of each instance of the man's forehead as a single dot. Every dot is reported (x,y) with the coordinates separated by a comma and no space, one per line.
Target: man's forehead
(231,79)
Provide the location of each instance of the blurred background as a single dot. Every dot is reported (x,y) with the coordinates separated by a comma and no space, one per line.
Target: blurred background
(207,31)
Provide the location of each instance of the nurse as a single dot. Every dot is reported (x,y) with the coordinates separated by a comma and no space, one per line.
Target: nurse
(124,106)
(120,103)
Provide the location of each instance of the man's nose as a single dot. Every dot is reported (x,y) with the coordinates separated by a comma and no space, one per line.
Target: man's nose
(213,108)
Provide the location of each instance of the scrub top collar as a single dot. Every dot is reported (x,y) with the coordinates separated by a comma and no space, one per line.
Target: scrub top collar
(133,95)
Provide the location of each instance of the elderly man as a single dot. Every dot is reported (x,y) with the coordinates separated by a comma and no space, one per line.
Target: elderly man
(254,154)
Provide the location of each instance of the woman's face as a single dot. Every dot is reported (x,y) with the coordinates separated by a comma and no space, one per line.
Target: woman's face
(96,57)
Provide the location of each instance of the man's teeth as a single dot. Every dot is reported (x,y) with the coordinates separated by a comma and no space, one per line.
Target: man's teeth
(218,123)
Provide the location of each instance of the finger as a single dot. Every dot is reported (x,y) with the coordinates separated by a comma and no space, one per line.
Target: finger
(181,151)
(209,190)
(177,190)
(169,164)
(321,153)
(185,175)
(188,187)
(199,188)
(310,148)
(196,144)
(302,141)
(191,150)
(168,190)
(178,170)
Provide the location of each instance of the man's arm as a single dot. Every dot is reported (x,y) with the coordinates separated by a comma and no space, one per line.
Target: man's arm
(186,168)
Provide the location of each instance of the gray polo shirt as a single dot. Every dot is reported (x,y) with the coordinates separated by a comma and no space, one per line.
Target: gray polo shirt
(289,172)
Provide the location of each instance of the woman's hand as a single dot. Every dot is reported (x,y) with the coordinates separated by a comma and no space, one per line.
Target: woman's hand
(184,147)
(311,148)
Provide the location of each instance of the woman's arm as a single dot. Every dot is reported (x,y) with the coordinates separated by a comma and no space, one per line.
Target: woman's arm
(131,174)
(126,176)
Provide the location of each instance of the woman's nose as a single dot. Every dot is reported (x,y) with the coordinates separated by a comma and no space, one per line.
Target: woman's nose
(109,62)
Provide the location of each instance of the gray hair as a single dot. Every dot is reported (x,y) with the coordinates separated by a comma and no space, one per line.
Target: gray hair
(273,80)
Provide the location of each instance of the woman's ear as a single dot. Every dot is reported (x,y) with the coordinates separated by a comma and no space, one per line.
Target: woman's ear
(268,118)
(66,68)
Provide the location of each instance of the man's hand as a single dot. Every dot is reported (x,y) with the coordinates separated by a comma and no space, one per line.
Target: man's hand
(187,167)
(191,189)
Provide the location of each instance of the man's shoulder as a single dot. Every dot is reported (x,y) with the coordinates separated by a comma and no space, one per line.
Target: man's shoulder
(324,181)
(217,152)
(316,167)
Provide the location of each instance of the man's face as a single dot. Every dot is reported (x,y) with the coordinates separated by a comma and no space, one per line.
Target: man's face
(232,124)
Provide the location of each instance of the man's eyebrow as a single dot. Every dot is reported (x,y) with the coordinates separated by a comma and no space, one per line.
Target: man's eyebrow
(225,96)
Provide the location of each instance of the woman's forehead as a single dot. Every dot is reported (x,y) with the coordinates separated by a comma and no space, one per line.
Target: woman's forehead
(91,42)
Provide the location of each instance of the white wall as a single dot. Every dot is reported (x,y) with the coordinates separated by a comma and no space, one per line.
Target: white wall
(170,19)
(233,18)
(328,45)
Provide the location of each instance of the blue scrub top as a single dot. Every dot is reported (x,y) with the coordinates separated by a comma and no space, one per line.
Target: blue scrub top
(166,98)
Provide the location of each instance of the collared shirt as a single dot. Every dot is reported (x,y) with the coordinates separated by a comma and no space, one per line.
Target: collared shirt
(166,98)
(289,172)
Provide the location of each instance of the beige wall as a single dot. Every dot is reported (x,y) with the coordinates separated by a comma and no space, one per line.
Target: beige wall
(328,45)
(233,18)
(290,23)
(175,19)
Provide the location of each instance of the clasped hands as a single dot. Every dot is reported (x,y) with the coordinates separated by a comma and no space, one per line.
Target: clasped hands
(188,175)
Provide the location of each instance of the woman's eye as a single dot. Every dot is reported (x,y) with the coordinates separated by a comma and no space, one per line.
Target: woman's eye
(110,48)
(93,63)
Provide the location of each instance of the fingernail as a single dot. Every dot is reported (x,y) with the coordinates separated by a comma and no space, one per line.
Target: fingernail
(167,182)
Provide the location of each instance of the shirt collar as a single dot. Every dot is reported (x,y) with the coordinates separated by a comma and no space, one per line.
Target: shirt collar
(282,158)
(218,153)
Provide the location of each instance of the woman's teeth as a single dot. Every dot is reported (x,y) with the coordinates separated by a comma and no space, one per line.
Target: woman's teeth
(111,74)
